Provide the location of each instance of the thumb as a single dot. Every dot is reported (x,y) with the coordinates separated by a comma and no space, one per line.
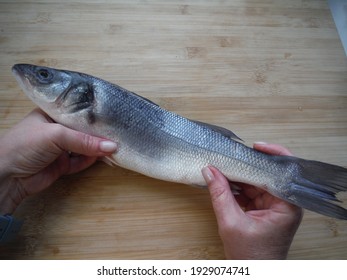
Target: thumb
(81,143)
(226,208)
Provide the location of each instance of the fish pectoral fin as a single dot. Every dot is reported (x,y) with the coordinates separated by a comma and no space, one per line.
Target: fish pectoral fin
(222,130)
(110,160)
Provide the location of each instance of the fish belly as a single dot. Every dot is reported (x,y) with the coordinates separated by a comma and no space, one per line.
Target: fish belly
(182,162)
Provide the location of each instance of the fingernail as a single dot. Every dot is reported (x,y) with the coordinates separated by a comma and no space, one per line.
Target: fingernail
(260,143)
(207,174)
(107,146)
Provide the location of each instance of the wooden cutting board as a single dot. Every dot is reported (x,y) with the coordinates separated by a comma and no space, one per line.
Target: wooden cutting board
(273,71)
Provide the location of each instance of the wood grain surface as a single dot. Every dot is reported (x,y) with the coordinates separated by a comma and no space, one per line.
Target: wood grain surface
(270,70)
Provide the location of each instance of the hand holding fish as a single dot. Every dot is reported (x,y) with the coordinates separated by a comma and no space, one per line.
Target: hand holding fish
(253,224)
(36,152)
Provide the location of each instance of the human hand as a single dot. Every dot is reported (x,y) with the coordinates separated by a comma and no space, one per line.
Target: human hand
(36,152)
(253,224)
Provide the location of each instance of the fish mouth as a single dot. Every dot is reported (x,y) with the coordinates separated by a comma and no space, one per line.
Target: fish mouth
(17,73)
(15,69)
(22,69)
(21,72)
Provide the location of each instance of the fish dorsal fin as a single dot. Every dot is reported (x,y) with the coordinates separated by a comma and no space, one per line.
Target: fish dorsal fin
(225,132)
(144,98)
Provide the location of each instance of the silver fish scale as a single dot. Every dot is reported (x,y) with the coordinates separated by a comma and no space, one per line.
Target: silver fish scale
(167,146)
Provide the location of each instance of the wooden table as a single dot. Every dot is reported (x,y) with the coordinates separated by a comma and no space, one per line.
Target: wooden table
(269,70)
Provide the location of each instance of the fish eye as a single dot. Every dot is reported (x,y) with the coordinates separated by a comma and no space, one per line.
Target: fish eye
(44,75)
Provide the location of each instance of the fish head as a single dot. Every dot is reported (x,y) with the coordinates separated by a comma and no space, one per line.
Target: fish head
(41,84)
(59,93)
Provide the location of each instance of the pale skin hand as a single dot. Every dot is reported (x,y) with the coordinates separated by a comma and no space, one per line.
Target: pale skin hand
(36,152)
(253,224)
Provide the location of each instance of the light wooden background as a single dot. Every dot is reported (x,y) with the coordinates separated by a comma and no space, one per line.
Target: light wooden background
(270,70)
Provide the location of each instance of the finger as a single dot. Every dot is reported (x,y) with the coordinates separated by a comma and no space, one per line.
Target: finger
(80,163)
(38,114)
(243,200)
(81,143)
(44,178)
(62,166)
(272,149)
(225,206)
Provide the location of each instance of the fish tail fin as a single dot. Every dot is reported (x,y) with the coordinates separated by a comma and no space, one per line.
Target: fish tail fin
(316,185)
